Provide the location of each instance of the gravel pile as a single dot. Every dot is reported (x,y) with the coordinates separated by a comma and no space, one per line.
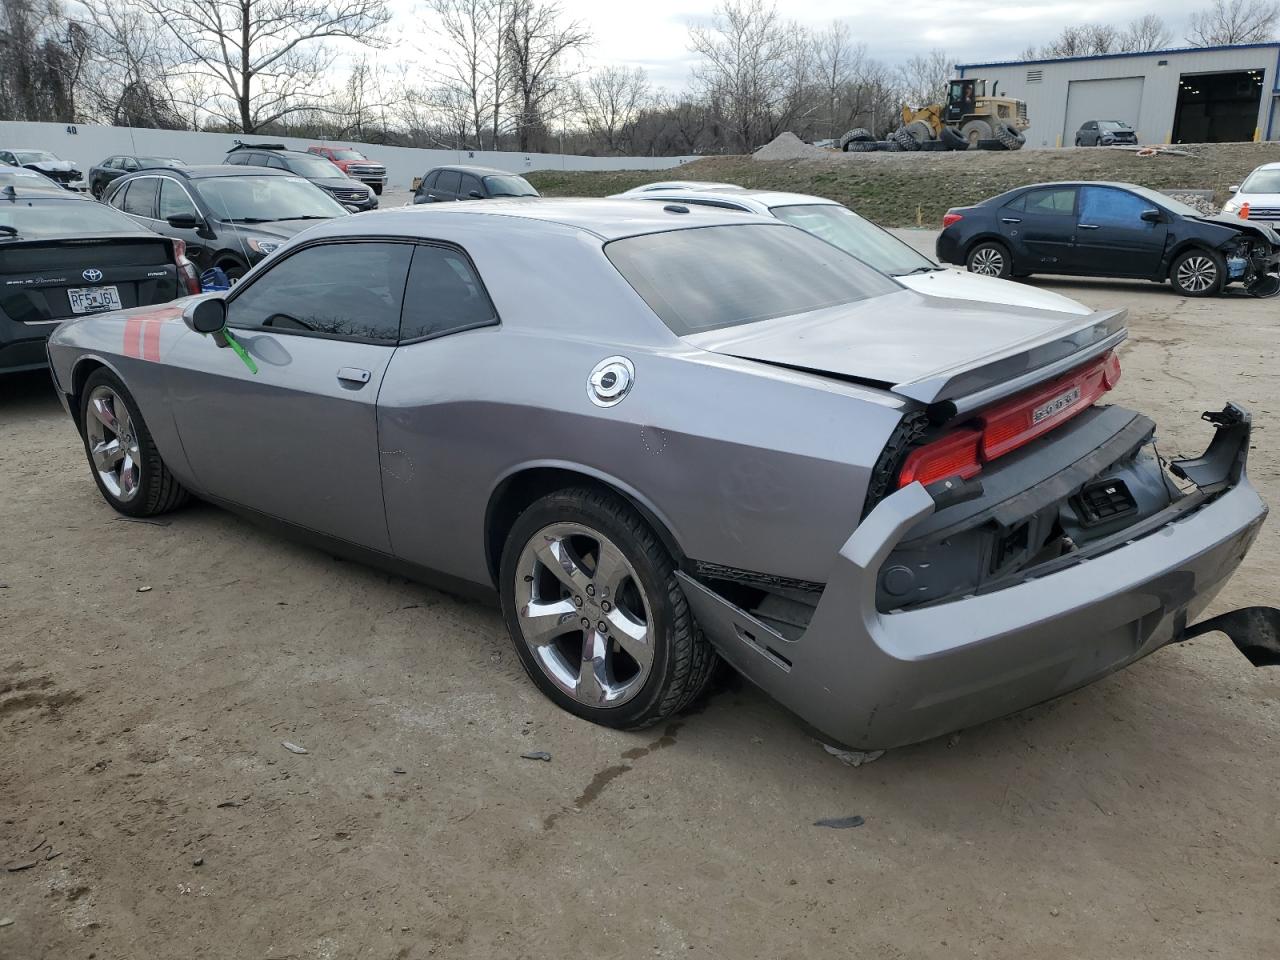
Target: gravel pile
(1206,207)
(787,146)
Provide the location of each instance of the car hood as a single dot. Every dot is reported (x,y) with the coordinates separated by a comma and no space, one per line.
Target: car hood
(339,183)
(929,349)
(959,285)
(1233,222)
(52,166)
(1256,199)
(275,230)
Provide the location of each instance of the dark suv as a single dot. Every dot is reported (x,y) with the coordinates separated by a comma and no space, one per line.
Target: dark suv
(1104,133)
(470,183)
(276,156)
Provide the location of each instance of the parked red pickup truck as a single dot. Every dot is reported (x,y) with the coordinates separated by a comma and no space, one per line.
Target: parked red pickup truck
(354,164)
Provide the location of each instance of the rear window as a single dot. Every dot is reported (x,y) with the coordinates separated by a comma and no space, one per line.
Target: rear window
(38,220)
(707,278)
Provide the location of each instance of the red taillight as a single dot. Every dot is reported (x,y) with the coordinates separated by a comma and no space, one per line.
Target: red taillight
(949,218)
(956,454)
(186,269)
(1007,426)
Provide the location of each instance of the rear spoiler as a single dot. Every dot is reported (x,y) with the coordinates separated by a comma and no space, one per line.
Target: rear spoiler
(960,389)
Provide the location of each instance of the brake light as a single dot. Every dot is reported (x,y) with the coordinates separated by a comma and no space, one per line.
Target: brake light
(186,269)
(1007,426)
(949,218)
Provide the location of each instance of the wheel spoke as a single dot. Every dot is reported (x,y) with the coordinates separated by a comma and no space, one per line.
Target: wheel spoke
(631,636)
(105,413)
(544,622)
(555,556)
(593,673)
(107,453)
(611,569)
(128,477)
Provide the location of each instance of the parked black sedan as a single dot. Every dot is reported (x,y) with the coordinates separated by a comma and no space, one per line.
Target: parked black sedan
(1105,133)
(1110,230)
(276,156)
(113,168)
(62,255)
(470,183)
(229,216)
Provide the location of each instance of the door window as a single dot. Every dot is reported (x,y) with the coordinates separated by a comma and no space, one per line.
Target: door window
(470,183)
(349,291)
(449,181)
(1107,206)
(174,200)
(141,199)
(444,295)
(429,181)
(275,162)
(1053,201)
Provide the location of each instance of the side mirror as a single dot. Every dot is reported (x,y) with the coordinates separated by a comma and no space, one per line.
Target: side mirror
(476,195)
(206,316)
(351,207)
(1151,216)
(184,221)
(1234,188)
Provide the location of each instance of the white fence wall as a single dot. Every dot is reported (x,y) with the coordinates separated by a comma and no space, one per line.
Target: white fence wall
(87,145)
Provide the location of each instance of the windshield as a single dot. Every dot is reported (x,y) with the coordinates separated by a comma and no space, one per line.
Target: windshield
(260,199)
(348,155)
(40,219)
(35,156)
(707,278)
(509,187)
(1161,200)
(1262,181)
(315,167)
(1113,125)
(843,228)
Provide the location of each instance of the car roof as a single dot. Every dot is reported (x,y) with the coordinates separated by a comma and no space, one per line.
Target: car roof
(479,171)
(1273,165)
(606,219)
(201,171)
(755,198)
(660,185)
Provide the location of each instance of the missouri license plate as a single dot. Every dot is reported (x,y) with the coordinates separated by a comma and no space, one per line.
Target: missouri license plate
(93,299)
(1056,405)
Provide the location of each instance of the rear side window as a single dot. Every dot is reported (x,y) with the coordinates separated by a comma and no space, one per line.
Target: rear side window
(706,278)
(1107,206)
(444,295)
(141,199)
(349,291)
(449,181)
(1053,201)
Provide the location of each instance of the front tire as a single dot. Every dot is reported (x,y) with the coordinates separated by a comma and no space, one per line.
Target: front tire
(596,614)
(990,259)
(377,188)
(1198,273)
(123,458)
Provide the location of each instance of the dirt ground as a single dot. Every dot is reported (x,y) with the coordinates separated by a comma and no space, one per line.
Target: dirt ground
(149,673)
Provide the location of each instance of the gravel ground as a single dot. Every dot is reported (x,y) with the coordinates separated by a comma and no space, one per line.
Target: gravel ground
(150,673)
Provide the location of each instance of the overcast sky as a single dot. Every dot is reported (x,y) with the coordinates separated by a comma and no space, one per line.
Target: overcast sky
(654,33)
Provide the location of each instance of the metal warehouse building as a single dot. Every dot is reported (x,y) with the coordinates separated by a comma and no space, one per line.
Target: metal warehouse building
(1194,95)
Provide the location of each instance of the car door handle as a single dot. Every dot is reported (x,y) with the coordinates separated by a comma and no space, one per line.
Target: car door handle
(354,375)
(1087,226)
(1010,220)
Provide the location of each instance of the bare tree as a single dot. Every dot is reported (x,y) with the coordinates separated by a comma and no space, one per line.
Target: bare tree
(838,66)
(41,58)
(1144,34)
(539,46)
(268,57)
(924,77)
(609,101)
(745,55)
(474,63)
(1234,21)
(128,79)
(1081,40)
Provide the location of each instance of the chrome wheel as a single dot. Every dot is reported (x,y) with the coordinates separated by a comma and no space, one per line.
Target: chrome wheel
(584,615)
(1196,274)
(113,443)
(988,261)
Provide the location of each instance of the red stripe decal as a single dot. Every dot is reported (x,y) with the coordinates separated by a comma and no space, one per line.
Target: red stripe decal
(151,339)
(133,337)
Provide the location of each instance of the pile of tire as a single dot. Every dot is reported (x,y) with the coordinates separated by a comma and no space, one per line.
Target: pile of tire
(917,136)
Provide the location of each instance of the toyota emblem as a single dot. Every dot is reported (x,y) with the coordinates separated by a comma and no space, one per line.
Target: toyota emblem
(93,275)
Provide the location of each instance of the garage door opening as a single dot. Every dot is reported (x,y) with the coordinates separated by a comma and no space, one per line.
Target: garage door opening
(1217,107)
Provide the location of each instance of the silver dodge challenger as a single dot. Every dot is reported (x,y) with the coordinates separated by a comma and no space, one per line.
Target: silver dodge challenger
(667,436)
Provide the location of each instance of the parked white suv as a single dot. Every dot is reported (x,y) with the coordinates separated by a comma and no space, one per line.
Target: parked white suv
(1261,191)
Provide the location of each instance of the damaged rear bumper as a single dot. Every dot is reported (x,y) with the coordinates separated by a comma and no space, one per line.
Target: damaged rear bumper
(871,679)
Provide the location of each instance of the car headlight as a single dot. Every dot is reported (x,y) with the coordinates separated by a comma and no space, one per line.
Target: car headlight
(265,247)
(1231,206)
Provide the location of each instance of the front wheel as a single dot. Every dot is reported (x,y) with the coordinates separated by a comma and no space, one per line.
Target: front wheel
(990,260)
(595,611)
(123,458)
(1198,273)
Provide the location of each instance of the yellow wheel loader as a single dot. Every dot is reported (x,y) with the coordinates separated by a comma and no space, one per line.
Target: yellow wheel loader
(971,119)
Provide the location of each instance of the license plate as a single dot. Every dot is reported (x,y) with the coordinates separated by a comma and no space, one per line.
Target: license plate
(1055,406)
(93,299)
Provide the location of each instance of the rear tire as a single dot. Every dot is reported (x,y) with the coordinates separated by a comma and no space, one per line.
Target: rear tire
(989,259)
(975,131)
(123,458)
(1198,273)
(582,558)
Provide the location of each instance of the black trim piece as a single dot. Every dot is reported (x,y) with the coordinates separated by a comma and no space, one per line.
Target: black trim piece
(715,571)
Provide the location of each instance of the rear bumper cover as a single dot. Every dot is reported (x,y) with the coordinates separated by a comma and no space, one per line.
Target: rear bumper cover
(22,345)
(871,680)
